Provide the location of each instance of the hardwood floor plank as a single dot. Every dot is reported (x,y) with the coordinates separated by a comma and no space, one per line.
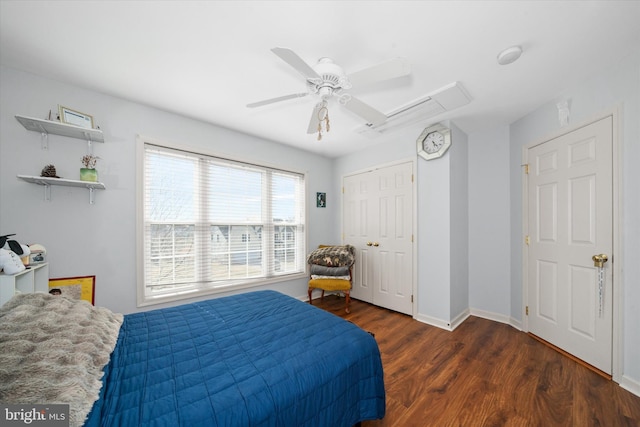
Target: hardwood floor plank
(482,374)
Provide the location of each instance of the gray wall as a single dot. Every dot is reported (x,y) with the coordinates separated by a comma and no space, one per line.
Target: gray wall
(618,88)
(489,220)
(83,239)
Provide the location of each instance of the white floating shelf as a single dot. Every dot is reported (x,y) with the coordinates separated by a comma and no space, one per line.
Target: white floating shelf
(47,127)
(48,182)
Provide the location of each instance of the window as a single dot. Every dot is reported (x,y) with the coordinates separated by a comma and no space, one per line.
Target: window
(213,224)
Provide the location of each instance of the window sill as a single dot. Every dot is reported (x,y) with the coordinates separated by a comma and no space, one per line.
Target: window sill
(190,294)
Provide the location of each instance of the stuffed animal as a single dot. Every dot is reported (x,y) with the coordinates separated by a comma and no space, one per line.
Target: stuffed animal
(10,253)
(10,262)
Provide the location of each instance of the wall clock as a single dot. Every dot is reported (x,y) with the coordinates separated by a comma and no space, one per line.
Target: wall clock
(433,142)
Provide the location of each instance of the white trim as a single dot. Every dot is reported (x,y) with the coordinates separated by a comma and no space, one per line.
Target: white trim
(630,385)
(415,231)
(618,291)
(438,323)
(140,298)
(515,323)
(414,225)
(460,318)
(382,166)
(496,317)
(143,300)
(618,309)
(182,297)
(525,248)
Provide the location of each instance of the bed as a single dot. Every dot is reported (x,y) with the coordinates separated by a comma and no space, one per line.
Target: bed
(254,359)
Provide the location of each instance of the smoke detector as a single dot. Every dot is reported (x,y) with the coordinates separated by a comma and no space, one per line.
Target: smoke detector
(509,55)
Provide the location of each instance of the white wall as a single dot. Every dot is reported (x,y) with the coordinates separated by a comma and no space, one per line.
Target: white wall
(83,239)
(620,87)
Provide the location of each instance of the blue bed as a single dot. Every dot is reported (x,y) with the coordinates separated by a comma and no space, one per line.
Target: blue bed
(254,359)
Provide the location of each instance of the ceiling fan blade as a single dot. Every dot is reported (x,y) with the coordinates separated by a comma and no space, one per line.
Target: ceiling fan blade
(292,58)
(391,69)
(316,116)
(367,112)
(278,99)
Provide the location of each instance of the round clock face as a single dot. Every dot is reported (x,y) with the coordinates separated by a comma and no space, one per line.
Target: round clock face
(433,142)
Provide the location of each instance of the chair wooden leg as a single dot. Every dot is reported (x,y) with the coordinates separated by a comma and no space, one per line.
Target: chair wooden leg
(310,290)
(322,296)
(347,297)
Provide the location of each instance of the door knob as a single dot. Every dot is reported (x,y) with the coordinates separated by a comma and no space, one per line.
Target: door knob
(376,244)
(369,243)
(599,260)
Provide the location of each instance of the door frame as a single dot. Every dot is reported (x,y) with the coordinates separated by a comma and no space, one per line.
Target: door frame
(616,115)
(414,223)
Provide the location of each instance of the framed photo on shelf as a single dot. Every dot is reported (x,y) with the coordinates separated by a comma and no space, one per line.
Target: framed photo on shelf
(82,287)
(75,118)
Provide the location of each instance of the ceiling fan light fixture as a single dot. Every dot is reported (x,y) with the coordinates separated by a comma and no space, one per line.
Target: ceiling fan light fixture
(509,55)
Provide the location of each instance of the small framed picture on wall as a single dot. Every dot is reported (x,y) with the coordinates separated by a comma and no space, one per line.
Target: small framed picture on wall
(321,200)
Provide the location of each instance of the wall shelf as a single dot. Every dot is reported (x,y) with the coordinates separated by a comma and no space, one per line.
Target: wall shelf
(48,182)
(47,127)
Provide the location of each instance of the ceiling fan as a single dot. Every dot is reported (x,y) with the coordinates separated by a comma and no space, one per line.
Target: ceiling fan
(327,79)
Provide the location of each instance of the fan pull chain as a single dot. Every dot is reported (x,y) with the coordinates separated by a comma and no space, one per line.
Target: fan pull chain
(327,126)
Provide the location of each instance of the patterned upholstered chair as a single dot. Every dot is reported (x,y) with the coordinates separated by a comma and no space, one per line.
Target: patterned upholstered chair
(331,269)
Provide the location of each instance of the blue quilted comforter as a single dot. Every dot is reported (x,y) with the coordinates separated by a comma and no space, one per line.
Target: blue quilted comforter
(254,359)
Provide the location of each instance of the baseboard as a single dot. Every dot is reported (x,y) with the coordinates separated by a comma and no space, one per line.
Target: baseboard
(438,323)
(457,321)
(496,317)
(630,385)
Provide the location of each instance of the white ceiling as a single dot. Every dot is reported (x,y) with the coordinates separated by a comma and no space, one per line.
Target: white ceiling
(208,59)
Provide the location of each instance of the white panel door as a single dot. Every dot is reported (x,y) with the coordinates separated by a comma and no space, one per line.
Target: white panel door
(570,214)
(359,201)
(378,221)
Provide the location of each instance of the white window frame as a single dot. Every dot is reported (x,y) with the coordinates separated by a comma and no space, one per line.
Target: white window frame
(143,299)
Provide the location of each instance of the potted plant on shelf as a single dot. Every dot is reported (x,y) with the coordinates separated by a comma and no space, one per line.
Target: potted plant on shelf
(89,172)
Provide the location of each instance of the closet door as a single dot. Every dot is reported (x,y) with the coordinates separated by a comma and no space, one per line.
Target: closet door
(359,226)
(378,221)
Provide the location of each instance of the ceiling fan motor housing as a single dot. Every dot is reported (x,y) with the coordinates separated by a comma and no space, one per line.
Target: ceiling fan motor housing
(333,78)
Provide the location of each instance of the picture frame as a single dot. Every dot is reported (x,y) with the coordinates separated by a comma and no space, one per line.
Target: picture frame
(80,287)
(321,200)
(75,118)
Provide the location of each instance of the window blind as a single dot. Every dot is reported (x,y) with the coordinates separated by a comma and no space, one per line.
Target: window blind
(212,223)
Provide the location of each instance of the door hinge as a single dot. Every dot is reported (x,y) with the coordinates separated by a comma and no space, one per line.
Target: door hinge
(411,298)
(526,310)
(526,168)
(412,238)
(342,190)
(527,240)
(411,177)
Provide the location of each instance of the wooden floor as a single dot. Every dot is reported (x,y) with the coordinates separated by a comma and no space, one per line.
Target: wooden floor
(484,373)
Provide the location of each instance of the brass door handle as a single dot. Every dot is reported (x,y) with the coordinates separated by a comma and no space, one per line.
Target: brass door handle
(599,260)
(376,244)
(369,243)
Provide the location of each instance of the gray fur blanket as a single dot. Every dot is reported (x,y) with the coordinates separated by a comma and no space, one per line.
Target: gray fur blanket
(53,350)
